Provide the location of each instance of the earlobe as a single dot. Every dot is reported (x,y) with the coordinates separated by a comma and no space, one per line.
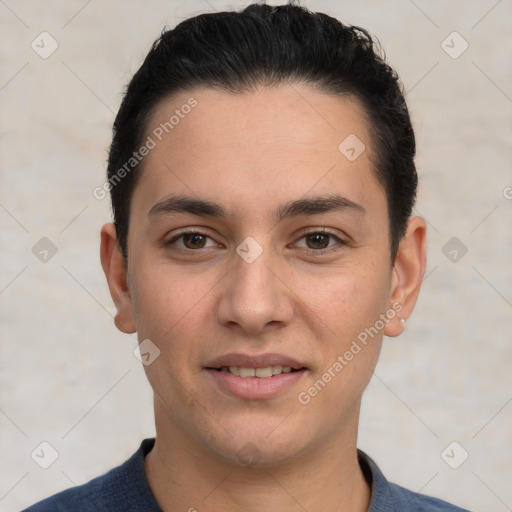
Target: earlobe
(115,272)
(408,271)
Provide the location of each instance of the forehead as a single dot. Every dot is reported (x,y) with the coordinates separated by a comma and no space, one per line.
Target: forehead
(289,116)
(271,141)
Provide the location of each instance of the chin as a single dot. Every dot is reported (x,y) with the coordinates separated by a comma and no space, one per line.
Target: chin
(252,450)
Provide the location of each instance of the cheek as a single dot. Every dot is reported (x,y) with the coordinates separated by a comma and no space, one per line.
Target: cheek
(169,310)
(347,306)
(347,301)
(348,343)
(165,296)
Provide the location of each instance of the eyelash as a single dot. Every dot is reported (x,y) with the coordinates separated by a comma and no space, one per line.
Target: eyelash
(340,242)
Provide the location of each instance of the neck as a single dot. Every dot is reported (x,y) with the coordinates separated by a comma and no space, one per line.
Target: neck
(185,476)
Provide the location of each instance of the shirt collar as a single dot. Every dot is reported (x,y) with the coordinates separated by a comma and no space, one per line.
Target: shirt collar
(382,498)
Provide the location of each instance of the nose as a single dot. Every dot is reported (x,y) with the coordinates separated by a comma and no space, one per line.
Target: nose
(255,295)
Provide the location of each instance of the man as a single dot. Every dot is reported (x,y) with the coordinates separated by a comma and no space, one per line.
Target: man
(262,180)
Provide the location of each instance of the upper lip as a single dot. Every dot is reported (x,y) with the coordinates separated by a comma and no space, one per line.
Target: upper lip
(254,361)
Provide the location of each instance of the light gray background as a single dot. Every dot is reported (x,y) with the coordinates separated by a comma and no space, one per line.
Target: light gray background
(68,377)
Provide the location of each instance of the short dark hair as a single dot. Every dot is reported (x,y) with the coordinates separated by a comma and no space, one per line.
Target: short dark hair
(270,45)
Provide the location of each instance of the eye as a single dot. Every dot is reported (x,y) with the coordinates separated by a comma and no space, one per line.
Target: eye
(320,240)
(191,240)
(315,241)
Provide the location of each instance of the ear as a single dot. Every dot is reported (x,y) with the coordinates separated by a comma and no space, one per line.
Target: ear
(407,274)
(115,272)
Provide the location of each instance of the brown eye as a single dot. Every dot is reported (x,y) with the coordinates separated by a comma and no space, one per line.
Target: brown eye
(194,240)
(318,240)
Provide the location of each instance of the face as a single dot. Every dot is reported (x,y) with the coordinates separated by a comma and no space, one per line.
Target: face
(256,247)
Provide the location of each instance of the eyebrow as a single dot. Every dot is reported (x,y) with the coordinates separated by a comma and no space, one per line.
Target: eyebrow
(303,206)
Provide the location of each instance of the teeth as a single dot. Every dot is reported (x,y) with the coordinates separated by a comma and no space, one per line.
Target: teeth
(276,370)
(247,372)
(262,373)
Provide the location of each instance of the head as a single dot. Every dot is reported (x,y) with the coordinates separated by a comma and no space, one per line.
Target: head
(281,45)
(282,139)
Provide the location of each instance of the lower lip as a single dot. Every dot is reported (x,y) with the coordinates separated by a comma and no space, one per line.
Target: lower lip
(255,388)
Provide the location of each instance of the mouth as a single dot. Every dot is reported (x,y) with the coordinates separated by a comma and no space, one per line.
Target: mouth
(260,372)
(255,377)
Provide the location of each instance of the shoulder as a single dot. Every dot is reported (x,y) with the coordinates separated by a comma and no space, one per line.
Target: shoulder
(420,502)
(83,497)
(122,488)
(390,497)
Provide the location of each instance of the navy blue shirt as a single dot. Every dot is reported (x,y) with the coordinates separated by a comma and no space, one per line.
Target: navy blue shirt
(125,489)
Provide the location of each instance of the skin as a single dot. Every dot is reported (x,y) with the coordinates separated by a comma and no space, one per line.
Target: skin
(252,152)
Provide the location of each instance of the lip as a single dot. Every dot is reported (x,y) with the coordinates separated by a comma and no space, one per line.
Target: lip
(254,388)
(254,361)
